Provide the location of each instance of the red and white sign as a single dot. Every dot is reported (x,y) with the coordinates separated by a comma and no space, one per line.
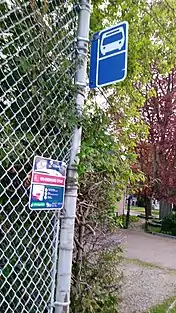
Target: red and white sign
(47,179)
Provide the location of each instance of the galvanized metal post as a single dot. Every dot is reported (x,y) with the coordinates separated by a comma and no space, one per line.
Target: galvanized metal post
(55,240)
(67,222)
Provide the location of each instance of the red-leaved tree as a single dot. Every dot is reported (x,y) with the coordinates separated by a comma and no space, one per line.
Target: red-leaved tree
(157,154)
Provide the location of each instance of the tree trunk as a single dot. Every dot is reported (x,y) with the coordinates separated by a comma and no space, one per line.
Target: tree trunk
(148,211)
(128,212)
(149,206)
(165,209)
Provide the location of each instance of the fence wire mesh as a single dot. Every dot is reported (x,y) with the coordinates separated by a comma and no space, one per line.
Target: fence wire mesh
(37,94)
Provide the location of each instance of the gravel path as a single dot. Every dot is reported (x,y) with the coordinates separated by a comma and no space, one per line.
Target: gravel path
(149,271)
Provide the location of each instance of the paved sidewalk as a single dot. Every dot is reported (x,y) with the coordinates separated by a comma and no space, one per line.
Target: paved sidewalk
(149,271)
(150,248)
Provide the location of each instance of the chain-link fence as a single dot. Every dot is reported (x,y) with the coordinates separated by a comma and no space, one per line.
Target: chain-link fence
(37,117)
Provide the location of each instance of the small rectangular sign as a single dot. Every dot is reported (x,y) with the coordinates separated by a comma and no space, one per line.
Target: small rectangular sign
(109,51)
(47,184)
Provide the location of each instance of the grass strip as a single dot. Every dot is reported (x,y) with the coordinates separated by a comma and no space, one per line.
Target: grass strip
(165,307)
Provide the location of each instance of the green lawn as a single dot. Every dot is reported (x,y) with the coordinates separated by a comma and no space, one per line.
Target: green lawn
(154,229)
(163,307)
(138,209)
(141,210)
(122,220)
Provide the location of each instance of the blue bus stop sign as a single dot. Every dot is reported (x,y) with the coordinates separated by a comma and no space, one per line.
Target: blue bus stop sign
(108,61)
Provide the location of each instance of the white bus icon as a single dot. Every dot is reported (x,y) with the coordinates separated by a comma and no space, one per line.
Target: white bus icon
(118,39)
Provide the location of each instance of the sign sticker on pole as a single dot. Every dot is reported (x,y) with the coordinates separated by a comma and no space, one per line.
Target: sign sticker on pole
(47,184)
(108,62)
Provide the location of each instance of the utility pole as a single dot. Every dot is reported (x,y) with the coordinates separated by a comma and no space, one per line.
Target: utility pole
(68,219)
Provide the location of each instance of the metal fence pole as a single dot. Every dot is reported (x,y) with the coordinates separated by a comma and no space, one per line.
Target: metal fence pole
(67,223)
(56,228)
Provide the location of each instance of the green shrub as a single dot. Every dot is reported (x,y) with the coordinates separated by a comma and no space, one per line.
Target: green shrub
(121,220)
(168,224)
(99,287)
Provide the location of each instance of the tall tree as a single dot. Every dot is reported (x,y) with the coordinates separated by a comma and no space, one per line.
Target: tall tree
(157,155)
(149,46)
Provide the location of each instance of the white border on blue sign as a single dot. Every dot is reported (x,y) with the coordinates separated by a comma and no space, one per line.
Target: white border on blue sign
(126,50)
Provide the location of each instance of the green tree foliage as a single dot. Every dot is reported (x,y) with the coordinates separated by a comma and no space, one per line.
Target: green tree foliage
(37,72)
(152,42)
(36,78)
(112,128)
(151,33)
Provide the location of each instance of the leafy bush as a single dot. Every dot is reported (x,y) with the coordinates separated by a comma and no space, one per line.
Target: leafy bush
(121,220)
(169,224)
(96,276)
(104,171)
(98,289)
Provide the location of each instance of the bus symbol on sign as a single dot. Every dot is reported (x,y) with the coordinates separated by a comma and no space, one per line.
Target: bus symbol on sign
(108,63)
(114,41)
